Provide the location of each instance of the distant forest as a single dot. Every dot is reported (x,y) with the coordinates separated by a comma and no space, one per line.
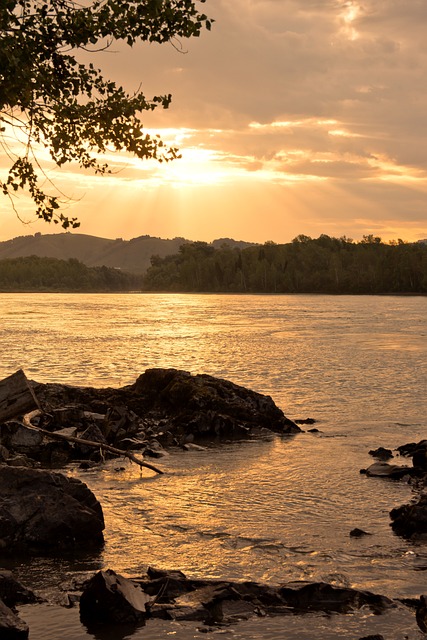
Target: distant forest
(49,274)
(305,265)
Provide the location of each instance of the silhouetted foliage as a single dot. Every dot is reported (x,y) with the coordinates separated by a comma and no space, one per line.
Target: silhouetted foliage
(49,96)
(305,265)
(49,274)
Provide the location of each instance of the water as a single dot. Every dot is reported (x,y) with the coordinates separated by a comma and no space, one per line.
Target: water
(275,510)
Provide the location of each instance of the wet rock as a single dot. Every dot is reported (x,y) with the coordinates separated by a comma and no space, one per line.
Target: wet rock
(43,511)
(191,446)
(377,636)
(12,592)
(410,520)
(385,470)
(208,406)
(325,597)
(306,421)
(358,533)
(180,598)
(11,626)
(110,598)
(381,453)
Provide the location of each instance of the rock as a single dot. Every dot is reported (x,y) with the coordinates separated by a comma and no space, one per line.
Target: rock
(66,417)
(381,453)
(324,597)
(11,626)
(17,437)
(421,614)
(209,406)
(20,460)
(385,470)
(110,598)
(410,520)
(94,434)
(190,446)
(13,592)
(377,636)
(42,511)
(358,533)
(306,421)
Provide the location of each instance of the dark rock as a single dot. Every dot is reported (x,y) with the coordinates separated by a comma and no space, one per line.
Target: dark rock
(43,511)
(314,430)
(66,417)
(111,598)
(381,453)
(173,405)
(20,460)
(16,437)
(209,406)
(410,520)
(408,449)
(385,470)
(306,421)
(13,592)
(4,453)
(358,533)
(11,626)
(325,597)
(94,434)
(421,614)
(377,636)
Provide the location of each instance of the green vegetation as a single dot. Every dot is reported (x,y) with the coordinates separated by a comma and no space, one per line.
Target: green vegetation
(305,265)
(49,274)
(50,97)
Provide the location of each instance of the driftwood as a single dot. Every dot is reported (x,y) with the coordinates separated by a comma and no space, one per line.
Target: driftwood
(89,443)
(16,396)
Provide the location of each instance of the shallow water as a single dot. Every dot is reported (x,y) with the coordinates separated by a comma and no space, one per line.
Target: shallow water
(272,510)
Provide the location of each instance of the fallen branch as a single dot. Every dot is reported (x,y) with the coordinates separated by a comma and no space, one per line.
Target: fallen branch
(26,420)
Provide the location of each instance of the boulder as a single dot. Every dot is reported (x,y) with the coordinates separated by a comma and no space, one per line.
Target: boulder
(12,592)
(208,406)
(410,520)
(43,511)
(110,598)
(11,626)
(171,405)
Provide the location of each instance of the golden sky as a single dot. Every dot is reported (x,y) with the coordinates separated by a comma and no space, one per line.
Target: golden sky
(292,116)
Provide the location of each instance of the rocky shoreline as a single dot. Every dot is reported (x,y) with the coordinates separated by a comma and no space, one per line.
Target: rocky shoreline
(43,511)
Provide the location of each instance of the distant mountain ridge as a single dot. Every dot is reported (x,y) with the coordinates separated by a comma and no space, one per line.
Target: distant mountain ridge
(129,255)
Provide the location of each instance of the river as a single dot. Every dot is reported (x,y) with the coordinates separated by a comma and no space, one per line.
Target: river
(274,510)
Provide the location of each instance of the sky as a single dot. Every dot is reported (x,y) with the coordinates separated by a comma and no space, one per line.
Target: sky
(292,117)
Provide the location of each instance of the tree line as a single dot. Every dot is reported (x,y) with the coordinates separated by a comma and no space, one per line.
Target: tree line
(50,274)
(305,265)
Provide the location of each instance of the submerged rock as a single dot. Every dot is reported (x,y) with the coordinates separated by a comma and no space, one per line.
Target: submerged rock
(45,511)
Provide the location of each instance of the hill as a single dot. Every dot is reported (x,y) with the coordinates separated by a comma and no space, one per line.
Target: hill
(129,255)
